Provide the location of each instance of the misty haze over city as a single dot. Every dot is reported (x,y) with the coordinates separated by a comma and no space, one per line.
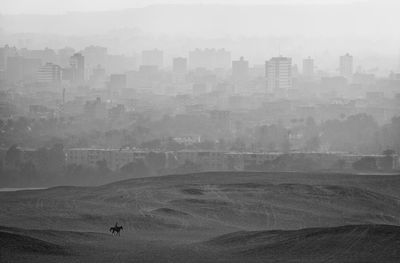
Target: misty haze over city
(199,131)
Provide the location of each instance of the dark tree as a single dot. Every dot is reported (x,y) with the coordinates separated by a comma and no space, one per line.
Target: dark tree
(366,164)
(102,167)
(13,156)
(136,168)
(312,144)
(156,160)
(28,173)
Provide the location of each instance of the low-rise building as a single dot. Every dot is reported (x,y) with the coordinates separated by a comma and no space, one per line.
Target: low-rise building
(224,161)
(114,158)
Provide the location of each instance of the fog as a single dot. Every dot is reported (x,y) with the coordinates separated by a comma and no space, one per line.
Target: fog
(357,19)
(295,28)
(198,129)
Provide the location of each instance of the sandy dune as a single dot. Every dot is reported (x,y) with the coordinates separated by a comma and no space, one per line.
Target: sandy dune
(354,243)
(171,217)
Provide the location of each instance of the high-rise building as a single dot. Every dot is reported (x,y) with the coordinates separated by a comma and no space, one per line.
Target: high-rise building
(117,81)
(120,63)
(308,67)
(346,66)
(49,73)
(77,62)
(64,55)
(153,57)
(98,77)
(22,69)
(210,58)
(95,55)
(240,69)
(179,66)
(6,52)
(278,71)
(45,55)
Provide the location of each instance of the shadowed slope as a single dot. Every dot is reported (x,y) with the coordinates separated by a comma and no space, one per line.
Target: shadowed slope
(16,243)
(354,243)
(350,244)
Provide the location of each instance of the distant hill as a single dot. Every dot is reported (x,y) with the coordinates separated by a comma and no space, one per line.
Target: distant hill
(212,202)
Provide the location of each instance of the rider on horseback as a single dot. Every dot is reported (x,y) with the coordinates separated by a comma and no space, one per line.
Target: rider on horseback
(116,229)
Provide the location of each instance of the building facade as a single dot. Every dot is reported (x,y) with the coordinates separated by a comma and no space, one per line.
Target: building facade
(240,69)
(49,73)
(77,63)
(308,67)
(153,57)
(346,66)
(278,71)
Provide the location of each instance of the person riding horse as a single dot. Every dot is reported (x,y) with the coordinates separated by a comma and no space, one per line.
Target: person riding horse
(116,229)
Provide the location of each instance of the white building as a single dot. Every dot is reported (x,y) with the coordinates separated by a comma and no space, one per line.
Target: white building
(209,59)
(240,69)
(278,71)
(49,73)
(114,158)
(346,66)
(207,160)
(153,57)
(77,63)
(179,66)
(308,67)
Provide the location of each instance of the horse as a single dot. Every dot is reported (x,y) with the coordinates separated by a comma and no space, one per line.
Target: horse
(115,230)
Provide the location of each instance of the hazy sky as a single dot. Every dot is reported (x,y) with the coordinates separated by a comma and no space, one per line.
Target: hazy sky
(365,28)
(62,6)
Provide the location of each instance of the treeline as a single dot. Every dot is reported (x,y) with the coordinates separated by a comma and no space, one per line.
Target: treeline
(358,134)
(46,167)
(328,162)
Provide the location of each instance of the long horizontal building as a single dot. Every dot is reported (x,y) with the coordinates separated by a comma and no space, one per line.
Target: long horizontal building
(114,158)
(216,160)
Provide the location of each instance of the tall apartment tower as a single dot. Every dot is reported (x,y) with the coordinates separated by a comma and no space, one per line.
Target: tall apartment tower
(240,69)
(346,66)
(179,65)
(77,62)
(153,57)
(209,58)
(278,71)
(308,67)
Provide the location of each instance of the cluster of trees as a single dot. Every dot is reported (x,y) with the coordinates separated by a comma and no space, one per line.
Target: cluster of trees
(355,134)
(46,166)
(304,162)
(31,167)
(369,163)
(358,133)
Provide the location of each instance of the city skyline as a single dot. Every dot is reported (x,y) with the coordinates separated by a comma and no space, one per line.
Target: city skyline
(207,131)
